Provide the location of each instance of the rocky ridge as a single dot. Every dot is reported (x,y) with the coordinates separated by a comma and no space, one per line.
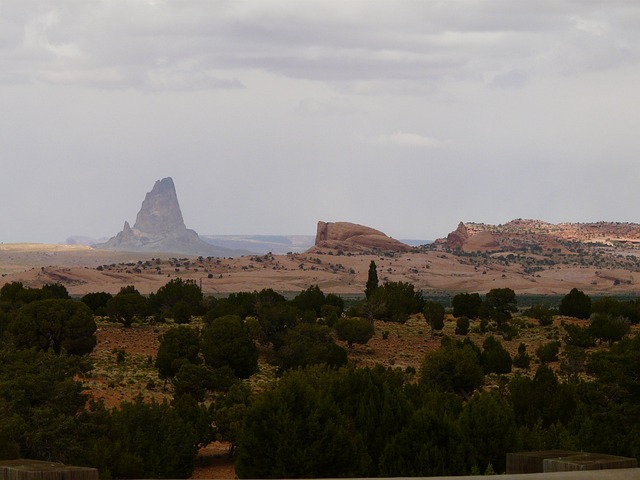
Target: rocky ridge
(159,227)
(537,234)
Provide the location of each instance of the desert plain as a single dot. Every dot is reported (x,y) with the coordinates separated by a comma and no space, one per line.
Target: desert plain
(83,269)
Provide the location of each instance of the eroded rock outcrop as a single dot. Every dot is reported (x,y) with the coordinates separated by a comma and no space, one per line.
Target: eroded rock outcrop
(456,239)
(351,236)
(536,235)
(160,227)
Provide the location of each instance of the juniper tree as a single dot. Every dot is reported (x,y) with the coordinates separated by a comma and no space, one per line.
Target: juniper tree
(372,279)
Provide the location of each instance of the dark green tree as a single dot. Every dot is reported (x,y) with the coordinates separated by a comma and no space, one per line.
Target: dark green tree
(178,345)
(466,305)
(14,294)
(608,407)
(488,425)
(434,315)
(242,304)
(522,359)
(178,298)
(230,410)
(227,342)
(297,431)
(311,299)
(309,344)
(353,330)
(430,445)
(628,309)
(375,401)
(608,328)
(332,308)
(499,304)
(197,380)
(372,280)
(576,304)
(127,305)
(495,358)
(578,336)
(97,302)
(275,320)
(60,325)
(150,440)
(548,352)
(268,296)
(39,403)
(462,326)
(542,400)
(55,290)
(10,294)
(542,313)
(397,300)
(454,367)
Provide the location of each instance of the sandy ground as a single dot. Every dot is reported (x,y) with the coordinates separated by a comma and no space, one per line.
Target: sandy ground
(83,270)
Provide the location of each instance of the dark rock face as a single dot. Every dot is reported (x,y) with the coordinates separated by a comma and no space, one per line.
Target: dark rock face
(160,227)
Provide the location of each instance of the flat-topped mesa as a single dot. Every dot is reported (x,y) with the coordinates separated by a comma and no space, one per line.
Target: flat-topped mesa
(351,236)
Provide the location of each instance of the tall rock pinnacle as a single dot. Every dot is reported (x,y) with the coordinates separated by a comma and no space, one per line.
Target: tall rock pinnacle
(160,227)
(160,212)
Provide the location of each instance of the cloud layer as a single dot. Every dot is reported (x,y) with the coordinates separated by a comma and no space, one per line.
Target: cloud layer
(496,109)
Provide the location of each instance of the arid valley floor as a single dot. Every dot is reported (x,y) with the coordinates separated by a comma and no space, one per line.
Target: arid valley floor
(83,270)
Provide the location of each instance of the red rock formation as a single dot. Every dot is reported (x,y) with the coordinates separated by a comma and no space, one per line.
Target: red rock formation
(455,240)
(520,233)
(351,236)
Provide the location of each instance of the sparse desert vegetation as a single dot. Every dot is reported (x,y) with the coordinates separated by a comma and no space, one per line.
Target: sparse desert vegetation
(237,377)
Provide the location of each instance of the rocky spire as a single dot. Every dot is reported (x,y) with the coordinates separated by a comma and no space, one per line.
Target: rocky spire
(160,227)
(160,212)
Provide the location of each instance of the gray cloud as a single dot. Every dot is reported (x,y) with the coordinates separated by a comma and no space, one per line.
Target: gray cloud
(328,41)
(271,115)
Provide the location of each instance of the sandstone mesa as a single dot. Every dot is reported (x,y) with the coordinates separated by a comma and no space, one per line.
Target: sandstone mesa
(353,237)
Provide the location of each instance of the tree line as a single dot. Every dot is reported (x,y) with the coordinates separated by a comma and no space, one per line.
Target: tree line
(322,417)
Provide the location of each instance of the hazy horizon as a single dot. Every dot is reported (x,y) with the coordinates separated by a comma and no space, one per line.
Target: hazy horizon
(404,116)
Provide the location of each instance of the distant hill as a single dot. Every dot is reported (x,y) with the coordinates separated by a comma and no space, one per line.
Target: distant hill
(262,244)
(414,242)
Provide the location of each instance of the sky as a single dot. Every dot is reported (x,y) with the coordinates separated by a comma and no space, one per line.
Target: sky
(270,115)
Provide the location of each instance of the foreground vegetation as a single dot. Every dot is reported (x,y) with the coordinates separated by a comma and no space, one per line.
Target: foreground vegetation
(470,402)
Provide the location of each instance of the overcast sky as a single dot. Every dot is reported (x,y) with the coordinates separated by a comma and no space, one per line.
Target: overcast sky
(406,116)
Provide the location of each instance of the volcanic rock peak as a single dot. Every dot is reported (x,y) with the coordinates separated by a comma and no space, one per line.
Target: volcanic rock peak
(160,212)
(160,227)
